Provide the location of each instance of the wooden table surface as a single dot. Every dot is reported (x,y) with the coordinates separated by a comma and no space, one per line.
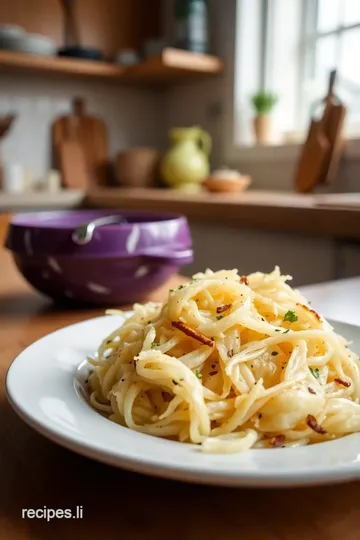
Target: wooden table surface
(125,506)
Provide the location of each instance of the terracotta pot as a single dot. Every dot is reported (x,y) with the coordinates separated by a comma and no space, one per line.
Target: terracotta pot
(262,128)
(227,185)
(137,167)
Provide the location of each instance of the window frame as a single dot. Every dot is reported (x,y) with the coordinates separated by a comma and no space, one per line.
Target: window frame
(240,27)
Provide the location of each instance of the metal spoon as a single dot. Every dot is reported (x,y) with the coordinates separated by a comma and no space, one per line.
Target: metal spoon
(83,234)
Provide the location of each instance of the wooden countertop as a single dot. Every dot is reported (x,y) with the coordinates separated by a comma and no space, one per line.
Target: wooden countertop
(42,200)
(269,211)
(118,504)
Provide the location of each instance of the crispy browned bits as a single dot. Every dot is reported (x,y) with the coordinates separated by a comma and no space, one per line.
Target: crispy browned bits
(192,333)
(244,280)
(277,441)
(311,391)
(343,383)
(312,423)
(221,309)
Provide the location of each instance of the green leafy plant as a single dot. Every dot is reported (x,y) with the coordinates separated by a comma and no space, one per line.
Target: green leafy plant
(263,102)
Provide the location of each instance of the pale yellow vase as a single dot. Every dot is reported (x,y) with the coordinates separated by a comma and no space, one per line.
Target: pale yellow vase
(186,164)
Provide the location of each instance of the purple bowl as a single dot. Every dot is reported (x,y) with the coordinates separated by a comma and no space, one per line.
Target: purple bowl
(121,264)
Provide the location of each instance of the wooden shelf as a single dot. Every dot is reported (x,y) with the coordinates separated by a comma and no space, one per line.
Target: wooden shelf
(268,211)
(175,64)
(170,66)
(21,62)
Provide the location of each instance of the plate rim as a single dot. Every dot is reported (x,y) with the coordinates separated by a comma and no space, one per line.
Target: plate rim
(243,478)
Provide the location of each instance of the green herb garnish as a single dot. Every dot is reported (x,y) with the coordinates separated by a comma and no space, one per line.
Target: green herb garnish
(290,316)
(219,317)
(277,330)
(181,287)
(315,372)
(198,374)
(286,331)
(155,344)
(174,382)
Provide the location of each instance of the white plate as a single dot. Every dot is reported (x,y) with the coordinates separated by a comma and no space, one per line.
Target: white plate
(45,385)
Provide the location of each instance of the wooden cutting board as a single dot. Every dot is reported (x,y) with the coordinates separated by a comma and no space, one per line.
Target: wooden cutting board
(313,158)
(72,165)
(332,125)
(90,133)
(333,129)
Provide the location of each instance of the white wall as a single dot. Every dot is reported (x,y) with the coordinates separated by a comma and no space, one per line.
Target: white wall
(131,114)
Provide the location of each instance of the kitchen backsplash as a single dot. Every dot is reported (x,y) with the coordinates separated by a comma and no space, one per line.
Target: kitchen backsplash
(131,115)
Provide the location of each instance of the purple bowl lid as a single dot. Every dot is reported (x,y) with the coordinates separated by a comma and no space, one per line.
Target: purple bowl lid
(143,234)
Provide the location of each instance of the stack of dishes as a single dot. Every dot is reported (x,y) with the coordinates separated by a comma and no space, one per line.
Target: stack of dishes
(14,38)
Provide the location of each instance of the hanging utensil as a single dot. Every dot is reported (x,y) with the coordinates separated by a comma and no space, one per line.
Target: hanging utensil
(5,125)
(333,124)
(71,30)
(83,234)
(312,159)
(321,153)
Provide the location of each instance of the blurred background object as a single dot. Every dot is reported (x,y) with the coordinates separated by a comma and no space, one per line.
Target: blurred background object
(72,45)
(321,152)
(154,47)
(137,167)
(80,142)
(127,57)
(15,39)
(186,164)
(71,27)
(263,103)
(225,180)
(13,178)
(5,124)
(191,26)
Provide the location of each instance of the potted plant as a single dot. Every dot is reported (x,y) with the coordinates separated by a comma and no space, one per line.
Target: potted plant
(263,102)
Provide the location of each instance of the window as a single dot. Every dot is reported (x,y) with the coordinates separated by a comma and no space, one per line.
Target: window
(290,47)
(332,40)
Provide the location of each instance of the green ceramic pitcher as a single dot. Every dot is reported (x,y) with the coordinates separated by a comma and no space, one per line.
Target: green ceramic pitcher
(186,164)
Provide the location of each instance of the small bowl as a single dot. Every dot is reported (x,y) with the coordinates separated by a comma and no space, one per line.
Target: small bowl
(127,57)
(227,185)
(10,30)
(29,43)
(122,263)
